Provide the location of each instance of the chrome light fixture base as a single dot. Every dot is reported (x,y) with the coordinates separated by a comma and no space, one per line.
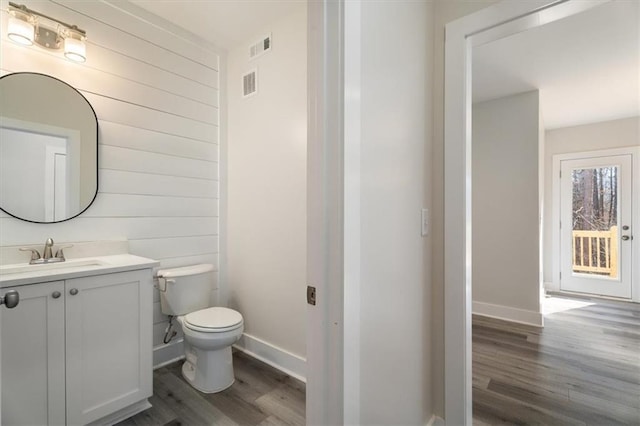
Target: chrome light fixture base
(27,26)
(48,38)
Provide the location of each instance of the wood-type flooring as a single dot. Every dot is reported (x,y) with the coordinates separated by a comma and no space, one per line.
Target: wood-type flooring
(582,368)
(261,395)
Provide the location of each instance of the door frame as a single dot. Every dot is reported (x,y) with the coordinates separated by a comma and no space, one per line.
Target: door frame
(492,23)
(634,151)
(325,212)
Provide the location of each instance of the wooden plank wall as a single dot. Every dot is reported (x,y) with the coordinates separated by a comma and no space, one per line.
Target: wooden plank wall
(155,93)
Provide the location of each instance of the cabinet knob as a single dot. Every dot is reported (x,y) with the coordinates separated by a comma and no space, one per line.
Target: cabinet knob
(10,299)
(55,294)
(73,291)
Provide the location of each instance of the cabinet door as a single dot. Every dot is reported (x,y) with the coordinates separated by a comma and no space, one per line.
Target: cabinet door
(32,359)
(109,343)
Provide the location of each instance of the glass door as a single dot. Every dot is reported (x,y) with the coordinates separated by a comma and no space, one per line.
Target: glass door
(595,226)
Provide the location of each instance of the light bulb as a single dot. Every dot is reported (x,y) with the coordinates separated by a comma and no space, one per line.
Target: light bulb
(75,49)
(20,31)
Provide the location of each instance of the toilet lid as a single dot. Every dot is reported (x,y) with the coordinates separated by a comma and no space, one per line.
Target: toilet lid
(214,318)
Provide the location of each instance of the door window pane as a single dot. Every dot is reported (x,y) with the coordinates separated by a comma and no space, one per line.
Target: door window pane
(595,221)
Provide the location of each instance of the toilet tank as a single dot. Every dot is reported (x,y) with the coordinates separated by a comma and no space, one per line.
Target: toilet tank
(186,289)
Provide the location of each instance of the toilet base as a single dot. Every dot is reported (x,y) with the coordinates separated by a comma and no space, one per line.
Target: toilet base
(208,371)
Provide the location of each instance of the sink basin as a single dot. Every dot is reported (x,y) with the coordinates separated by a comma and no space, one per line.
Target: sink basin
(68,264)
(17,274)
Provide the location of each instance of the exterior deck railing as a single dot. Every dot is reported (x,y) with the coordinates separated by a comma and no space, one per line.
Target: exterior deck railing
(596,252)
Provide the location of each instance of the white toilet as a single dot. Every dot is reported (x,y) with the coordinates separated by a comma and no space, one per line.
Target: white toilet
(209,332)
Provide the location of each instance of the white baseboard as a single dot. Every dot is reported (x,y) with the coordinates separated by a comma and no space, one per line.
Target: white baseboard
(276,357)
(288,363)
(509,314)
(122,414)
(435,421)
(551,286)
(166,354)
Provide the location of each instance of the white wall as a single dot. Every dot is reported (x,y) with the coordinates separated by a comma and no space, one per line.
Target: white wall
(604,135)
(445,12)
(505,204)
(266,212)
(155,93)
(395,285)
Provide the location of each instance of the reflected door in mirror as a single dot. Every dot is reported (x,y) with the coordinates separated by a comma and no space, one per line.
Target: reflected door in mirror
(48,149)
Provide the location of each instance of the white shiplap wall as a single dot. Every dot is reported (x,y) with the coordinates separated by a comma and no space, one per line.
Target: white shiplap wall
(155,91)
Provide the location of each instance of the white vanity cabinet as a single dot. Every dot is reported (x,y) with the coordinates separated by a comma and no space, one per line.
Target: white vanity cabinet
(77,351)
(33,347)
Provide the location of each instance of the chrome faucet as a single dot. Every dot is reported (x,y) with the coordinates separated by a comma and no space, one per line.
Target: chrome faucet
(47,254)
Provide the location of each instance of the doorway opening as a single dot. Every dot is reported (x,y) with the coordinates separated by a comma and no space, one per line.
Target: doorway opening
(463,36)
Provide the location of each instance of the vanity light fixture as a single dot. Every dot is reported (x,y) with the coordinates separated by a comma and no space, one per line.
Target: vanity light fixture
(26,26)
(74,47)
(20,28)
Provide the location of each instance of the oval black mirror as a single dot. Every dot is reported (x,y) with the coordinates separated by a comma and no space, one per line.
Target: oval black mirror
(48,149)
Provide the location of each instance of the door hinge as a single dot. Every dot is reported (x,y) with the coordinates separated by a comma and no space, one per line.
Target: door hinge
(560,275)
(311,295)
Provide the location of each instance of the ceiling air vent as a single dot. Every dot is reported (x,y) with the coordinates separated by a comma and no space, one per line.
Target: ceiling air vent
(260,47)
(250,83)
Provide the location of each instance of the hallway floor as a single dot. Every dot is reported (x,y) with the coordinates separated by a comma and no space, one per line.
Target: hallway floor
(261,395)
(582,368)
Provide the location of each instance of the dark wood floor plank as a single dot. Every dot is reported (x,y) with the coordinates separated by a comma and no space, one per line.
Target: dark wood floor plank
(530,352)
(602,387)
(496,409)
(255,378)
(190,405)
(232,403)
(619,412)
(583,367)
(575,411)
(272,421)
(261,395)
(160,415)
(285,403)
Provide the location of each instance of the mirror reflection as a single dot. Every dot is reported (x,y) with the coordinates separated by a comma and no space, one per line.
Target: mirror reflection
(48,149)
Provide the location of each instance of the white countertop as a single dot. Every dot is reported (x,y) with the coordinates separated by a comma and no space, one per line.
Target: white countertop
(22,274)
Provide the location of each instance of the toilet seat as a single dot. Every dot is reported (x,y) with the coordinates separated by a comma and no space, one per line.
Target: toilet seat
(213,320)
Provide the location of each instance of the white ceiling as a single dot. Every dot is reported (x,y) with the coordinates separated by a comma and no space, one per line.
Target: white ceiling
(224,23)
(587,66)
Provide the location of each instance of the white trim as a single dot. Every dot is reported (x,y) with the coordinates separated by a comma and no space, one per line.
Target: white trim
(122,414)
(288,363)
(435,421)
(634,151)
(551,286)
(325,212)
(50,181)
(223,185)
(460,35)
(508,313)
(352,216)
(635,226)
